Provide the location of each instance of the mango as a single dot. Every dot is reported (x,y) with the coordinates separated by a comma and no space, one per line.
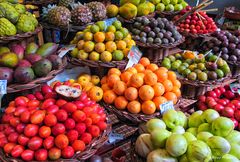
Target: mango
(134,2)
(9,60)
(128,11)
(143,9)
(31,48)
(23,74)
(47,49)
(42,67)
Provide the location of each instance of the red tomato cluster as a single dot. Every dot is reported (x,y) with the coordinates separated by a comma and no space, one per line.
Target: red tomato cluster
(43,125)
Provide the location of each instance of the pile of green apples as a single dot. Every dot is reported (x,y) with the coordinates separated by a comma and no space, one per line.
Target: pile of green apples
(201,137)
(169,5)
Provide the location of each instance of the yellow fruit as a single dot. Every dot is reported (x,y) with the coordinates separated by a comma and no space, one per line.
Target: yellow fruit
(112,10)
(130,44)
(129,36)
(110,46)
(82,55)
(121,45)
(106,56)
(88,86)
(100,47)
(88,46)
(83,80)
(95,93)
(111,28)
(80,44)
(86,75)
(95,79)
(118,35)
(99,37)
(94,56)
(74,52)
(71,81)
(88,36)
(126,51)
(109,36)
(128,11)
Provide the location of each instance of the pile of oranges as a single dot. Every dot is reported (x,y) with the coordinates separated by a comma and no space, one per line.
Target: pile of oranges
(141,88)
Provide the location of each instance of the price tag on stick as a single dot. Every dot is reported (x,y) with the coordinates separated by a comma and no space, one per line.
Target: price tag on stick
(3,90)
(114,137)
(235,87)
(65,49)
(166,106)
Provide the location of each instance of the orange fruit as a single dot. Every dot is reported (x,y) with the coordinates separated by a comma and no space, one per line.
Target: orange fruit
(168,85)
(150,78)
(158,101)
(121,103)
(109,36)
(152,67)
(131,93)
(170,96)
(109,96)
(172,75)
(95,93)
(114,71)
(121,45)
(119,87)
(136,80)
(126,51)
(162,75)
(147,71)
(142,75)
(139,67)
(132,70)
(104,80)
(110,46)
(144,61)
(158,89)
(112,79)
(125,76)
(80,44)
(177,91)
(148,107)
(105,87)
(163,68)
(146,92)
(99,37)
(99,47)
(134,107)
(176,83)
(88,36)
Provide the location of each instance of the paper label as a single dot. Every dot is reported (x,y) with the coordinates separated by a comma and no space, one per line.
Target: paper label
(166,106)
(235,87)
(134,56)
(114,137)
(109,22)
(3,87)
(65,49)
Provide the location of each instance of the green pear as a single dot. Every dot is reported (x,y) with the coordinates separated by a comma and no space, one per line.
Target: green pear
(183,158)
(183,121)
(234,137)
(160,7)
(176,145)
(189,137)
(227,158)
(169,7)
(204,136)
(195,119)
(178,7)
(235,150)
(178,129)
(155,1)
(204,127)
(198,151)
(153,124)
(170,118)
(193,131)
(218,145)
(174,2)
(166,2)
(222,126)
(184,4)
(209,115)
(159,137)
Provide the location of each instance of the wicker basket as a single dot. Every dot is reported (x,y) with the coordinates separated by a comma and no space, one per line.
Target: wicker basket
(21,36)
(232,13)
(130,21)
(40,2)
(168,14)
(37,82)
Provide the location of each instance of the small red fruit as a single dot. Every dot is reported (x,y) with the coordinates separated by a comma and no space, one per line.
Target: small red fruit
(41,155)
(14,121)
(95,118)
(67,152)
(46,89)
(39,96)
(54,153)
(61,141)
(44,131)
(94,130)
(202,98)
(37,117)
(69,107)
(88,122)
(61,102)
(50,120)
(59,128)
(48,142)
(102,125)
(31,130)
(17,151)
(237,115)
(25,117)
(228,112)
(20,128)
(81,128)
(3,141)
(31,97)
(78,145)
(72,135)
(13,137)
(52,109)
(33,103)
(20,101)
(9,147)
(235,122)
(19,110)
(23,140)
(9,130)
(79,116)
(79,105)
(27,155)
(35,143)
(47,103)
(219,108)
(69,123)
(61,115)
(86,138)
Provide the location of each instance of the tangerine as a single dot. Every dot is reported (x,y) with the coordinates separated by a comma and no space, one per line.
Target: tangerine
(119,87)
(100,47)
(176,83)
(172,75)
(168,85)
(158,89)
(95,93)
(131,94)
(61,141)
(177,91)
(139,67)
(105,87)
(144,61)
(158,101)
(88,36)
(136,80)
(104,80)
(80,44)
(126,51)
(134,107)
(170,96)
(152,67)
(111,46)
(146,92)
(150,78)
(109,36)
(99,37)
(109,96)
(121,45)
(148,107)
(112,79)
(132,70)
(125,76)
(120,102)
(162,75)
(114,71)
(163,68)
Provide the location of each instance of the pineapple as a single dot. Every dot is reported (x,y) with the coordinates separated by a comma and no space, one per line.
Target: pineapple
(98,10)
(65,3)
(81,15)
(59,16)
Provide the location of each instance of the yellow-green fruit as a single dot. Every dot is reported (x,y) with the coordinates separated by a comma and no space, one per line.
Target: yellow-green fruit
(155,2)
(7,28)
(128,11)
(82,55)
(101,25)
(106,56)
(135,2)
(94,56)
(151,6)
(111,28)
(74,52)
(118,55)
(4,50)
(143,9)
(100,47)
(112,10)
(88,46)
(9,60)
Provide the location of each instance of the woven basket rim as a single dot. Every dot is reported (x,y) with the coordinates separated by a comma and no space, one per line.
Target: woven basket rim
(20,36)
(40,2)
(187,34)
(168,13)
(133,19)
(16,87)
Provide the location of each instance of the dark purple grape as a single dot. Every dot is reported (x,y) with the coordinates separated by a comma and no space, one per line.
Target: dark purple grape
(233,58)
(224,50)
(232,46)
(225,43)
(238,46)
(171,40)
(225,56)
(236,52)
(216,49)
(238,58)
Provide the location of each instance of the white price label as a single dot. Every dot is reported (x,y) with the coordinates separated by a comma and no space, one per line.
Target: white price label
(109,22)
(3,87)
(166,106)
(65,49)
(235,87)
(113,137)
(134,56)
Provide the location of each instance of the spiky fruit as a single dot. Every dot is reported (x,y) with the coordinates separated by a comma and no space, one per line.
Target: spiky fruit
(65,3)
(98,10)
(7,28)
(81,15)
(59,16)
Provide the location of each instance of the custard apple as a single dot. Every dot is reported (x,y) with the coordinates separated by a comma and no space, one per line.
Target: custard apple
(7,28)
(20,8)
(10,12)
(25,24)
(33,18)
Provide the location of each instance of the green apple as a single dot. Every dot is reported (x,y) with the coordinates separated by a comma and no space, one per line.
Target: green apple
(195,119)
(198,151)
(192,130)
(170,118)
(155,1)
(174,2)
(160,7)
(178,7)
(178,129)
(209,115)
(180,1)
(183,158)
(176,145)
(222,126)
(183,121)
(159,137)
(227,158)
(166,2)
(218,145)
(184,4)
(233,137)
(159,155)
(204,136)
(169,7)
(143,145)
(189,137)
(235,150)
(204,127)
(153,124)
